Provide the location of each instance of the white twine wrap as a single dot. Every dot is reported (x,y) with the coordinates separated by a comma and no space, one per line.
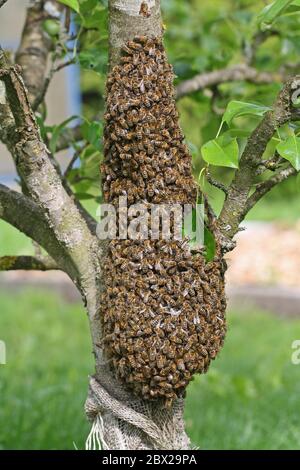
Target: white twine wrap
(131,424)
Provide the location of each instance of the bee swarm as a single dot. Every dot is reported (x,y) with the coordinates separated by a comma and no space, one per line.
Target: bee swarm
(163,308)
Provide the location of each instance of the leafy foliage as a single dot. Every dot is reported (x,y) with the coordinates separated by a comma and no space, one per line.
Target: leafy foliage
(199,37)
(290,150)
(272,11)
(74,4)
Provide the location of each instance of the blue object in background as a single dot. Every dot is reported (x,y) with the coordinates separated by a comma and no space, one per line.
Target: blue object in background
(73,101)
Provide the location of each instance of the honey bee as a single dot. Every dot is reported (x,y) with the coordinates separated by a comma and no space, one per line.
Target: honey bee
(121,132)
(139,133)
(123,123)
(147,102)
(121,367)
(131,361)
(136,59)
(152,355)
(142,39)
(126,59)
(144,10)
(127,49)
(165,385)
(113,136)
(160,362)
(127,68)
(144,171)
(150,149)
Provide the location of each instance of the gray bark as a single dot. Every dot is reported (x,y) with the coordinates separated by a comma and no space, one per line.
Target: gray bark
(142,425)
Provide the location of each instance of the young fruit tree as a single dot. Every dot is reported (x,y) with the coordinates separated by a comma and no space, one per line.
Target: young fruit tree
(156,305)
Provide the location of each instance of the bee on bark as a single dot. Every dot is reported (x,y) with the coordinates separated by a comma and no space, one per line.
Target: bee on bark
(144,10)
(121,367)
(135,59)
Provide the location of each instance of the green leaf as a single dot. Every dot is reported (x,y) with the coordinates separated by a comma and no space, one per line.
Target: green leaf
(84,196)
(210,245)
(269,14)
(290,150)
(93,59)
(92,132)
(239,133)
(239,108)
(74,4)
(222,151)
(86,6)
(96,19)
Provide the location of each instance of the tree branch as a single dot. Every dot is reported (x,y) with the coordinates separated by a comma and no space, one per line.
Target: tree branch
(68,136)
(44,184)
(32,56)
(199,82)
(26,216)
(266,186)
(43,91)
(27,263)
(21,124)
(216,184)
(234,206)
(35,46)
(235,73)
(2,2)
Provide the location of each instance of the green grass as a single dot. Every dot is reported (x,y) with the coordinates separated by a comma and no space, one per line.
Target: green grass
(248,400)
(43,385)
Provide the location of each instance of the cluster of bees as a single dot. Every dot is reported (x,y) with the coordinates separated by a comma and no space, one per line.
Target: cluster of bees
(163,307)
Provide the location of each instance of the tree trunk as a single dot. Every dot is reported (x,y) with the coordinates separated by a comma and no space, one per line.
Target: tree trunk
(120,420)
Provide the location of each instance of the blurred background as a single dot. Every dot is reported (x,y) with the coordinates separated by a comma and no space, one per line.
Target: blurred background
(250,397)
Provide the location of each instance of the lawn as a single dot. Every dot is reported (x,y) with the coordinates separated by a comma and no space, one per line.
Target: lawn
(248,400)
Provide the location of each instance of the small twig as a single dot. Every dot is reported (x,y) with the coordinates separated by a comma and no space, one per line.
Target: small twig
(216,184)
(250,49)
(41,96)
(65,64)
(215,94)
(272,164)
(72,161)
(68,136)
(2,2)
